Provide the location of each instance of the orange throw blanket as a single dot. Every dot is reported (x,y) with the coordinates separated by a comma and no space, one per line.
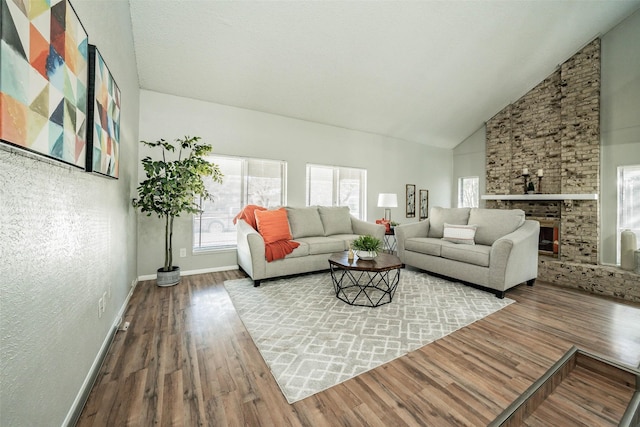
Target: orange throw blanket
(247,214)
(273,250)
(279,249)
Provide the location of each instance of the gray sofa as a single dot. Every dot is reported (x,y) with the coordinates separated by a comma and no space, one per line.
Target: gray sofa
(320,230)
(502,254)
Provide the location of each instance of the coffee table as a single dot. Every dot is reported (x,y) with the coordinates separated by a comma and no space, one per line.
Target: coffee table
(365,283)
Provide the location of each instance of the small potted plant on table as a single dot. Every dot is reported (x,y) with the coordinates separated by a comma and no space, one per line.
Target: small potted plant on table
(367,247)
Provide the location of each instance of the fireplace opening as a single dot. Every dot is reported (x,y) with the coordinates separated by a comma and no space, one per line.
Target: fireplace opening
(549,239)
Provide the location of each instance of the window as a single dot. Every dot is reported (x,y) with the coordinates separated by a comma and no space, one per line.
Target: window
(337,186)
(468,192)
(246,181)
(628,202)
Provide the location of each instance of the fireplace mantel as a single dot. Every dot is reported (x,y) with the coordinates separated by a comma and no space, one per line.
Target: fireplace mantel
(566,198)
(540,197)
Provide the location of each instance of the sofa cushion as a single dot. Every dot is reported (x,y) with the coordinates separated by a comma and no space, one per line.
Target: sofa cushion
(423,245)
(462,234)
(305,222)
(300,251)
(495,223)
(477,254)
(322,245)
(273,225)
(438,216)
(335,219)
(346,238)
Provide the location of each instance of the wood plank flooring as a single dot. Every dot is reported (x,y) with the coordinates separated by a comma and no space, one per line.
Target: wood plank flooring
(187,360)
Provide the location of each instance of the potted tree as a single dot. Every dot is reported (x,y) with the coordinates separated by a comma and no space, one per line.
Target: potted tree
(367,247)
(174,187)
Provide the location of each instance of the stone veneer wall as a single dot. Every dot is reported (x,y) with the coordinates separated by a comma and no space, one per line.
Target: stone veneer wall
(556,127)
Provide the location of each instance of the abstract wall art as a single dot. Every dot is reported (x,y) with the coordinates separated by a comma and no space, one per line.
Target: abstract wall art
(411,200)
(43,79)
(103,138)
(424,204)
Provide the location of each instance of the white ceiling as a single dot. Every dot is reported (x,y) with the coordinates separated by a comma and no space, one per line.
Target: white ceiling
(430,72)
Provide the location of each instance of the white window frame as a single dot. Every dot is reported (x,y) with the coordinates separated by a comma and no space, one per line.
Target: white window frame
(245,197)
(461,196)
(335,192)
(628,203)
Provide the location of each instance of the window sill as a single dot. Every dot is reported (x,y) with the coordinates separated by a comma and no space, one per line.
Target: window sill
(209,251)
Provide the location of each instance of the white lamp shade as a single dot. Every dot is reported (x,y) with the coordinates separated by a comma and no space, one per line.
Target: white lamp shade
(387,200)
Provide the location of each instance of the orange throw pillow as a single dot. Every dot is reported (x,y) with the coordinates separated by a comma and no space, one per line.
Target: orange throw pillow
(273,225)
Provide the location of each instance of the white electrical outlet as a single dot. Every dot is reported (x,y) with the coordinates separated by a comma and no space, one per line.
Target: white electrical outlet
(183,252)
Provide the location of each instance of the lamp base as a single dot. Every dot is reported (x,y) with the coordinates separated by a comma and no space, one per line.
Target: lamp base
(387,214)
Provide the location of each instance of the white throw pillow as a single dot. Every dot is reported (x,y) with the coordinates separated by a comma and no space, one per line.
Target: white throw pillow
(462,234)
(439,216)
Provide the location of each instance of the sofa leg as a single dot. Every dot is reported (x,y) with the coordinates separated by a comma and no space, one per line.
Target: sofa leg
(531,282)
(500,294)
(256,283)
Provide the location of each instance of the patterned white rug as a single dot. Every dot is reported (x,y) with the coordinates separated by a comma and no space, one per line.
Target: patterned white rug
(312,341)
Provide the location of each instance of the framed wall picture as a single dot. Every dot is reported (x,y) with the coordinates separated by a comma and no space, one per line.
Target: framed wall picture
(411,201)
(43,80)
(424,204)
(103,138)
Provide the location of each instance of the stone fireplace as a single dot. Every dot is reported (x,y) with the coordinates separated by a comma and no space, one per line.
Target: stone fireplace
(549,239)
(556,127)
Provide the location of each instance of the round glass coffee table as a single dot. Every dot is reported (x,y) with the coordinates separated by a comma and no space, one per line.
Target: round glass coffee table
(365,283)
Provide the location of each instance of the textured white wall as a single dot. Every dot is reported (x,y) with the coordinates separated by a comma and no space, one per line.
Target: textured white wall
(391,163)
(619,121)
(66,237)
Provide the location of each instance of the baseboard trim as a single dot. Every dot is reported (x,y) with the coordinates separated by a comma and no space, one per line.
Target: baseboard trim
(81,399)
(192,272)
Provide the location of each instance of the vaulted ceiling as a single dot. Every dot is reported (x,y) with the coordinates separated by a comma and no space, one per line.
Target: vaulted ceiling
(430,72)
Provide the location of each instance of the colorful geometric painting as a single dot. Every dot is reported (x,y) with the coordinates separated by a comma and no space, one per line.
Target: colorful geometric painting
(43,79)
(103,140)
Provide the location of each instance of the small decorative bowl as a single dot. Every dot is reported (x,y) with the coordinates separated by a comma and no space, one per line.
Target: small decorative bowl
(367,255)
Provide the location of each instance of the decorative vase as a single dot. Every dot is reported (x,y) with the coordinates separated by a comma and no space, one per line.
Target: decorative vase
(367,255)
(628,246)
(168,278)
(637,256)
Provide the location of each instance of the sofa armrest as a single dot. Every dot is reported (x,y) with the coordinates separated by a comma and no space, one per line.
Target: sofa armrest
(406,231)
(250,249)
(363,227)
(514,257)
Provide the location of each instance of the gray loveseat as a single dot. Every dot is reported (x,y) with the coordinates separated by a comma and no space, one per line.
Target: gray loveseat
(503,252)
(320,230)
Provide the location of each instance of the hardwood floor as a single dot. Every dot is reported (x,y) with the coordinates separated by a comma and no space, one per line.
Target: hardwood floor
(187,360)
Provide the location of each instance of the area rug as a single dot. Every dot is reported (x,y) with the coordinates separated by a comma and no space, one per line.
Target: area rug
(312,341)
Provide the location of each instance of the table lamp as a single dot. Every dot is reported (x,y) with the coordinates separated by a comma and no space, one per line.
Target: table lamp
(386,201)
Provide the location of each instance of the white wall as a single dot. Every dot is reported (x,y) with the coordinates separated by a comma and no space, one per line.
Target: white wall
(469,160)
(619,121)
(390,163)
(66,237)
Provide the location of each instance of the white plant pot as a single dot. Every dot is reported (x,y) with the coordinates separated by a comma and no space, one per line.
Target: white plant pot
(366,255)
